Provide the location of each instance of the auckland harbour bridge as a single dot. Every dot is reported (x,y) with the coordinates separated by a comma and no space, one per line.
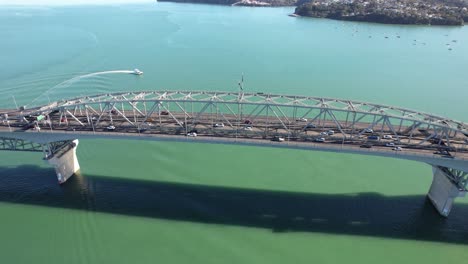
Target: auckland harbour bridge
(256,119)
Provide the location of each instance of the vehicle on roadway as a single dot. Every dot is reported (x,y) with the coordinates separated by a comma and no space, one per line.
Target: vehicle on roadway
(397,149)
(218,125)
(302,119)
(390,144)
(323,133)
(330,132)
(321,139)
(249,128)
(387,137)
(278,139)
(373,137)
(110,128)
(368,130)
(191,134)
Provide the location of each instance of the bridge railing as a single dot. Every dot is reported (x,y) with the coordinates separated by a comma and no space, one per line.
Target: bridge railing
(333,147)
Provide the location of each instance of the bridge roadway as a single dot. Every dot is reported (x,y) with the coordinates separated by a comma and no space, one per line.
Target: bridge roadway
(246,119)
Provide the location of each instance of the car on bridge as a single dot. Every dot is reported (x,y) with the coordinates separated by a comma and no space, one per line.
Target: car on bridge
(192,134)
(278,139)
(321,139)
(397,149)
(218,125)
(110,128)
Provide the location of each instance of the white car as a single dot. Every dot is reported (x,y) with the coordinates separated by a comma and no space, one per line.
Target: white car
(278,139)
(249,128)
(391,144)
(397,149)
(302,119)
(192,134)
(320,139)
(368,130)
(110,127)
(387,137)
(218,125)
(323,133)
(330,132)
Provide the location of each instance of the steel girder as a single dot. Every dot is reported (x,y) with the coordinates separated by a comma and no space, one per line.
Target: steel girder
(249,115)
(14,144)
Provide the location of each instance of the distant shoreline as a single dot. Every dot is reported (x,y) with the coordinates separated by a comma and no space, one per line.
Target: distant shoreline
(403,12)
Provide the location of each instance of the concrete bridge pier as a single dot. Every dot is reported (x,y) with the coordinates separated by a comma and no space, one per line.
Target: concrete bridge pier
(444,189)
(65,162)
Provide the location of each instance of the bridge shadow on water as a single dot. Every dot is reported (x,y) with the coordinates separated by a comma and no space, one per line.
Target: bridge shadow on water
(365,214)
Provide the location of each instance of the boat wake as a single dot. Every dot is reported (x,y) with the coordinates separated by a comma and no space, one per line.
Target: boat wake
(75,79)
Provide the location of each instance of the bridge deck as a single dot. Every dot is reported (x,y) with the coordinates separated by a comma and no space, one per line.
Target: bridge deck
(262,132)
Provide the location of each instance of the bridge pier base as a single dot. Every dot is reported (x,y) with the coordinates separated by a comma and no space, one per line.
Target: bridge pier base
(443,191)
(65,162)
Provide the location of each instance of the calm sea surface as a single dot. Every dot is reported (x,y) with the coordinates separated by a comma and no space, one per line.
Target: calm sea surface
(150,202)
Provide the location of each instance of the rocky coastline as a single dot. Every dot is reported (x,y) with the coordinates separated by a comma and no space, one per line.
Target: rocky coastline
(414,12)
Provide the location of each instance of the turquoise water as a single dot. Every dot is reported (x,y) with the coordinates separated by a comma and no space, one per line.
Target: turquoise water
(147,202)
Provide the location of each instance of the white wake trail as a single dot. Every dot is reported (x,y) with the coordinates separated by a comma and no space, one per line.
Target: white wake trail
(69,82)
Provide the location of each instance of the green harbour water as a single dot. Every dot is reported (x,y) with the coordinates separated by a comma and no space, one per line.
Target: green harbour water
(159,202)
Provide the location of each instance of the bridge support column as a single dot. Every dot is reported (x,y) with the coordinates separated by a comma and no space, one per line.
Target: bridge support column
(444,189)
(65,162)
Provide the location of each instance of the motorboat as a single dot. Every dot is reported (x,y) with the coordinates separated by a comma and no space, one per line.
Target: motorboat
(137,72)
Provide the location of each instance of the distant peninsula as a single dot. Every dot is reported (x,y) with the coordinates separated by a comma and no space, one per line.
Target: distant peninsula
(408,12)
(418,12)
